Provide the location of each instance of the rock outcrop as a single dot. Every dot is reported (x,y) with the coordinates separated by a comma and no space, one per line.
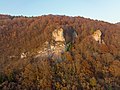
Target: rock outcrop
(55,48)
(97,35)
(65,34)
(57,35)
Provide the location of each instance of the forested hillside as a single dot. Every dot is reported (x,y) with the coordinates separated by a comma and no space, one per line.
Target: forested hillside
(88,66)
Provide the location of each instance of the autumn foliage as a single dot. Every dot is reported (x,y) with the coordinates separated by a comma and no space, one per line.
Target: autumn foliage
(88,66)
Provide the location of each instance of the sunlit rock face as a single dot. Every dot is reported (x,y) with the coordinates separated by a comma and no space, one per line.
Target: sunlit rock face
(97,36)
(23,55)
(57,35)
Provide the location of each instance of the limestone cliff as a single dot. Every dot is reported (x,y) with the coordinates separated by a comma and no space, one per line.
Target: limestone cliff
(97,35)
(56,47)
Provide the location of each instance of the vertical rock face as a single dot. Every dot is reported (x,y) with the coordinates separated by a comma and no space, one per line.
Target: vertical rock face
(97,36)
(57,35)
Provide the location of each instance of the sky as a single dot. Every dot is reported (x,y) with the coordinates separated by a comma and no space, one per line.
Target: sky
(105,10)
